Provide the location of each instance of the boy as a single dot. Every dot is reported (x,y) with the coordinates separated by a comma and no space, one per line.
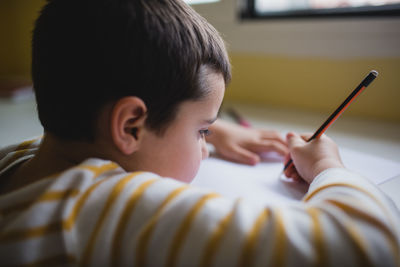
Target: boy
(126,92)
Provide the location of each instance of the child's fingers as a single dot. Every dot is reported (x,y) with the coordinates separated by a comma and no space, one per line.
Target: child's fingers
(287,157)
(244,156)
(306,136)
(292,173)
(273,136)
(269,145)
(294,140)
(296,177)
(288,172)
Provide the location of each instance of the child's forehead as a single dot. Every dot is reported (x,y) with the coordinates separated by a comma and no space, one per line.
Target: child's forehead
(206,108)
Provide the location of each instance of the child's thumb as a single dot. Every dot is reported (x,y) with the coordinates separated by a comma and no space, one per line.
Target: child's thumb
(294,140)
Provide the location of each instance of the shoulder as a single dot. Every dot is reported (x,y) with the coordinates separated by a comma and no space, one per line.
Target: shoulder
(16,153)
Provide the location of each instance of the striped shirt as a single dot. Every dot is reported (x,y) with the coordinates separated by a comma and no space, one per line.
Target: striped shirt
(96,214)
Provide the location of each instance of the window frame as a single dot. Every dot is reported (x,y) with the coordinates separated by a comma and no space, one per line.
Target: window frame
(248,11)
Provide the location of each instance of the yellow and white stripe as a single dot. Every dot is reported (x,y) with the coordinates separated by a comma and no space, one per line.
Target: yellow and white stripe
(96,214)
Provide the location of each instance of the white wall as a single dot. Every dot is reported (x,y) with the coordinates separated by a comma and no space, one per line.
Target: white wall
(329,38)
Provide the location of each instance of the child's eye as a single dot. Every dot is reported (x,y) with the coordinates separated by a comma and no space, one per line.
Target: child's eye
(205,132)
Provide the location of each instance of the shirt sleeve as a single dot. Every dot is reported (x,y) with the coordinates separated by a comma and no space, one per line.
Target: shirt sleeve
(343,220)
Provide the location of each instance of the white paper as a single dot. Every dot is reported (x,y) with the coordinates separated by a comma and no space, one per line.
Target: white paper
(376,169)
(264,183)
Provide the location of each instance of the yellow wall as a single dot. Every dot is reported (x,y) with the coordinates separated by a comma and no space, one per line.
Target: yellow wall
(295,82)
(316,84)
(16,23)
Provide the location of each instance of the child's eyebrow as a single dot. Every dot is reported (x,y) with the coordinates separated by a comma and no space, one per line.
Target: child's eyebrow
(211,121)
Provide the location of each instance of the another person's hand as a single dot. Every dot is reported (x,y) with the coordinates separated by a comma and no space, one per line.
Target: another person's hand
(244,145)
(311,158)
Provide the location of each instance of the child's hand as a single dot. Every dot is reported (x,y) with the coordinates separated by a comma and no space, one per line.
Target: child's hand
(311,158)
(243,145)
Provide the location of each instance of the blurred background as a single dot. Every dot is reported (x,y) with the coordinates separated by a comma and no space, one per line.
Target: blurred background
(310,63)
(295,59)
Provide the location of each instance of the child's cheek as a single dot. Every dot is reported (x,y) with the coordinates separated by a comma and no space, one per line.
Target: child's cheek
(189,170)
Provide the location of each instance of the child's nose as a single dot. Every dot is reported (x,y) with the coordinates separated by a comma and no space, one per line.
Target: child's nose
(204,150)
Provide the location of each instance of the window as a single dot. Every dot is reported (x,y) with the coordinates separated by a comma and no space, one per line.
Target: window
(319,8)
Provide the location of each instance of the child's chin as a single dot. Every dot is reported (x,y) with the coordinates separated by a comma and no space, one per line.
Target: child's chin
(186,178)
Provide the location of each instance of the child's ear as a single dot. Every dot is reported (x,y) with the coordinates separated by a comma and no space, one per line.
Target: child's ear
(128,118)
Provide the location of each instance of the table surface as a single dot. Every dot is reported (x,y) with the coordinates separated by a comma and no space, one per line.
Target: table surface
(19,121)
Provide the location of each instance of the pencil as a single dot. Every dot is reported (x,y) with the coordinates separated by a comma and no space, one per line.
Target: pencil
(356,92)
(239,119)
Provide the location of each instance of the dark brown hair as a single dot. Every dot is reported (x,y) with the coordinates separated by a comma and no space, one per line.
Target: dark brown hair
(87,53)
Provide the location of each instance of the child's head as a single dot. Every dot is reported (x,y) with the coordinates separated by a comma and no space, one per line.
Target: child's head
(88,54)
